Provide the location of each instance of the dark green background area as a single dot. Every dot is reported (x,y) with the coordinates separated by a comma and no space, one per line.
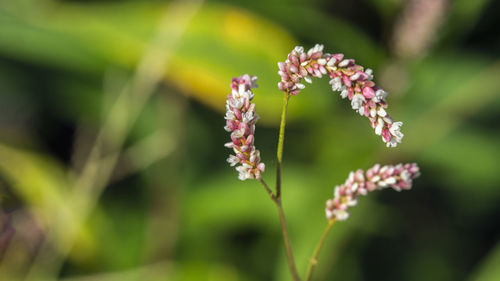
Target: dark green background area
(173,209)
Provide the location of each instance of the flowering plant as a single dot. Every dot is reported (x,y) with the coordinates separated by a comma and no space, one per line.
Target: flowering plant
(354,82)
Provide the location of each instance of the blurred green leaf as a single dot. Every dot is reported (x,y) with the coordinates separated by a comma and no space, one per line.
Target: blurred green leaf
(207,272)
(112,228)
(387,8)
(464,14)
(445,95)
(37,179)
(338,35)
(467,159)
(153,272)
(22,40)
(45,187)
(309,21)
(488,269)
(220,43)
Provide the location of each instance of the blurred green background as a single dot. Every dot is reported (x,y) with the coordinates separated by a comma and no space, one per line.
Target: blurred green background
(112,165)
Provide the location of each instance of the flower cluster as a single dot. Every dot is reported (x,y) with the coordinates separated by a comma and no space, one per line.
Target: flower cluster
(351,80)
(240,121)
(399,177)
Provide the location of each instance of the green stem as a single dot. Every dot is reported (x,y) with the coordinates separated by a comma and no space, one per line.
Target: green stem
(286,239)
(284,230)
(268,190)
(277,197)
(281,140)
(314,259)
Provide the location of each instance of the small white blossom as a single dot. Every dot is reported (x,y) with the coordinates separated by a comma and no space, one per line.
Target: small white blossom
(392,143)
(369,72)
(380,95)
(344,93)
(341,215)
(344,63)
(238,133)
(355,76)
(336,84)
(379,127)
(381,112)
(233,160)
(357,101)
(322,61)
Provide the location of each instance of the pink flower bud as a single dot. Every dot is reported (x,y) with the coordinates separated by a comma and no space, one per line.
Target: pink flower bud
(368,92)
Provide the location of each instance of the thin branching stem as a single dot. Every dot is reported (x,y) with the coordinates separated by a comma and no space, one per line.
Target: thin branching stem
(314,259)
(268,190)
(284,230)
(277,197)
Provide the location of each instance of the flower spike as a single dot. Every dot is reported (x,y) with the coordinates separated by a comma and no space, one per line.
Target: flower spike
(351,80)
(240,122)
(399,177)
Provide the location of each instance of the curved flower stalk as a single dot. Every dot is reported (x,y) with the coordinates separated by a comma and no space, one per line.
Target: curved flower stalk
(351,80)
(399,177)
(240,121)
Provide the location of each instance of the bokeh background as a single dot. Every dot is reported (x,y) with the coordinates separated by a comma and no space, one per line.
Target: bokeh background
(112,165)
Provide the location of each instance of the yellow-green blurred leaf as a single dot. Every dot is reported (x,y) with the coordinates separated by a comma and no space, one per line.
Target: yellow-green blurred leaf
(37,179)
(220,43)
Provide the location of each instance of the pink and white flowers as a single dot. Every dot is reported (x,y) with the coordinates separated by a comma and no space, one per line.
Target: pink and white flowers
(399,177)
(351,80)
(240,121)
